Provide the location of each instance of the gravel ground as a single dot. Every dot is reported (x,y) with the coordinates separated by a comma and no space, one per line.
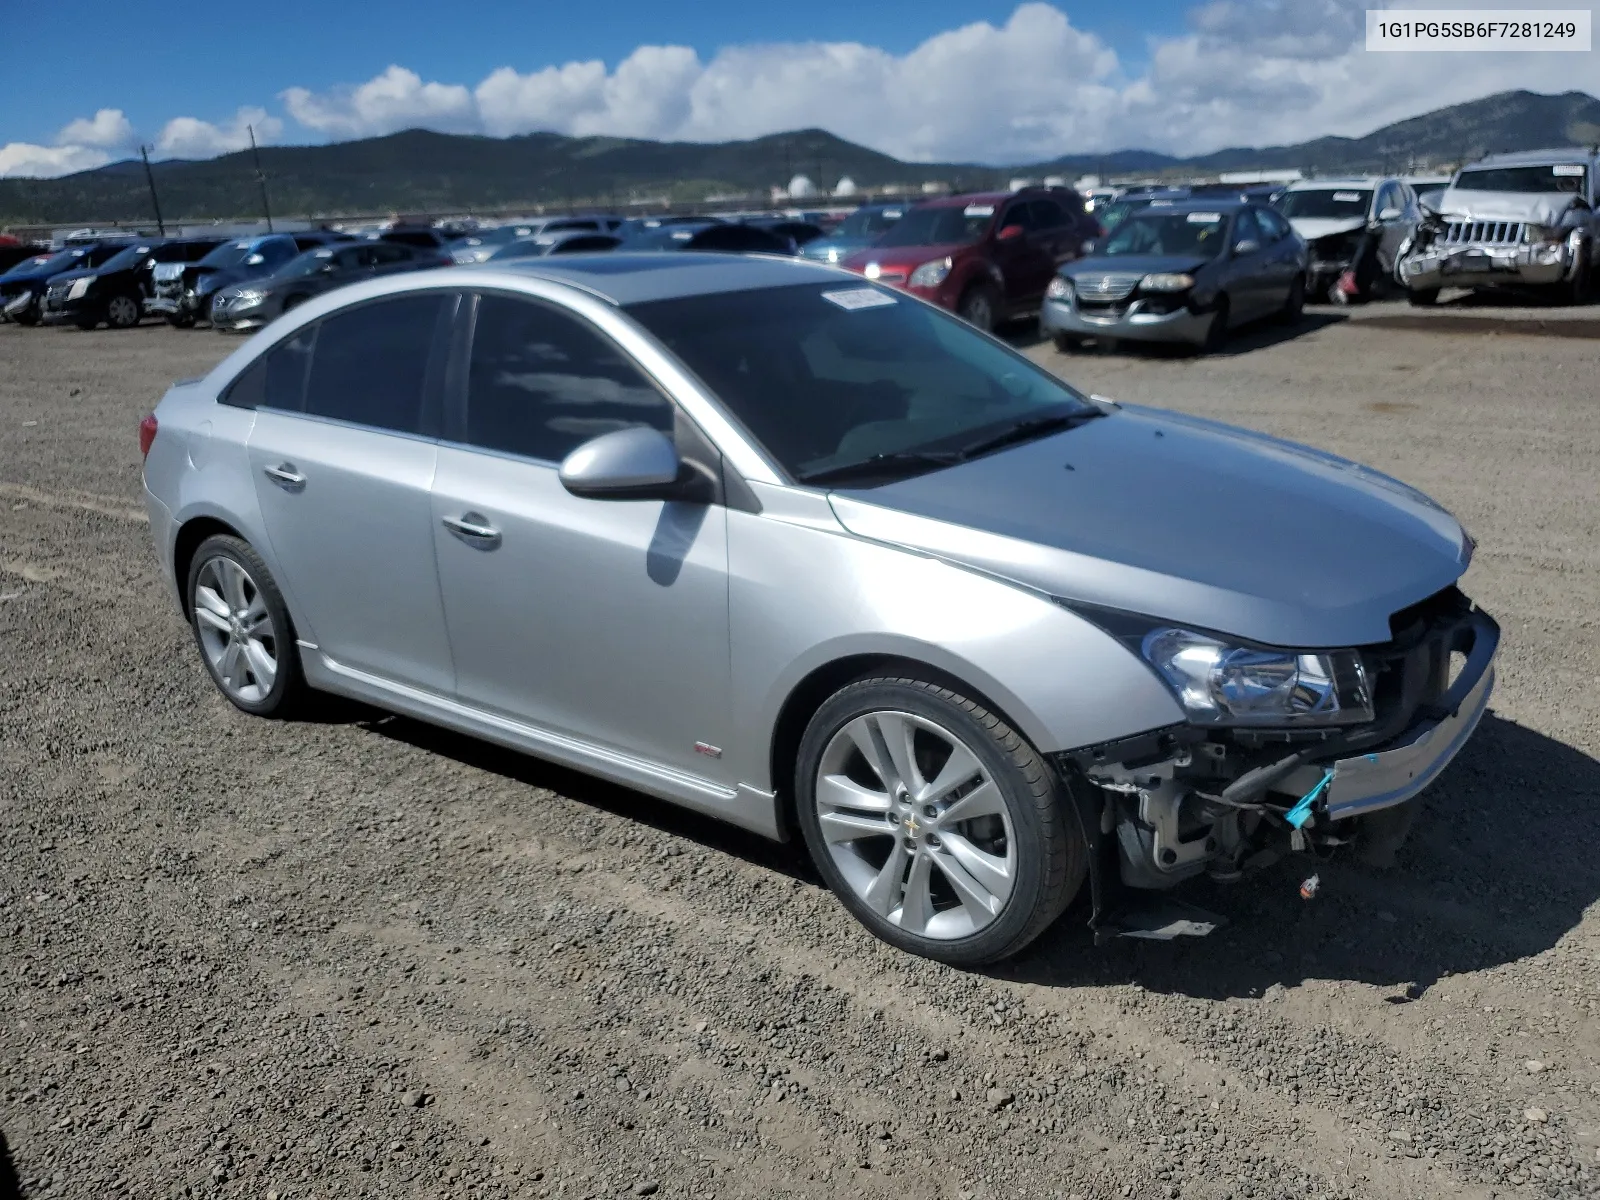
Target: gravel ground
(361,957)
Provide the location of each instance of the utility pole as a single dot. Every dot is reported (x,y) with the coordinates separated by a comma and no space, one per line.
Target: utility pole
(150,178)
(261,178)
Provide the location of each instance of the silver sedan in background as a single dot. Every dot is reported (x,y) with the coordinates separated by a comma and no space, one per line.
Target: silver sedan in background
(763,539)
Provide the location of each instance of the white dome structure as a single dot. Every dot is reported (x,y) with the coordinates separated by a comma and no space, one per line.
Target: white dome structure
(845,187)
(801,188)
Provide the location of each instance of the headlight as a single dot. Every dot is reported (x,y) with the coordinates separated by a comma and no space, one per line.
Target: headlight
(930,274)
(1060,288)
(1542,233)
(1166,282)
(80,287)
(1222,684)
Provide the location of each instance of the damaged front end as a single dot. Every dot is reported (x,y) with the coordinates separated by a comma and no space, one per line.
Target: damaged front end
(1363,732)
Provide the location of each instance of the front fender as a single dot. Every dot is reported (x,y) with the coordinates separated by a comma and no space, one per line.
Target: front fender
(805,595)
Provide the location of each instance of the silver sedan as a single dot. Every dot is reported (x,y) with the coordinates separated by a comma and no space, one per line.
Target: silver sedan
(762,539)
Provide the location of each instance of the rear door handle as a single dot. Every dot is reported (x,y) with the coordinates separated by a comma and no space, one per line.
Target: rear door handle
(474,529)
(285,476)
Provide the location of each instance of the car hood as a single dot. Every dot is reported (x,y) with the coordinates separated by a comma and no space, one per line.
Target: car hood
(903,258)
(1185,520)
(1132,264)
(1541,208)
(37,275)
(1312,228)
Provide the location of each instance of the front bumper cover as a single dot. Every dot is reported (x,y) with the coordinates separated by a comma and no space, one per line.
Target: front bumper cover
(1473,265)
(1136,323)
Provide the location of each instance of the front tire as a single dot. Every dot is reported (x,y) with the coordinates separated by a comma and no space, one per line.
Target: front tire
(1067,343)
(242,628)
(180,320)
(122,312)
(979,307)
(1295,303)
(939,827)
(1217,332)
(1422,297)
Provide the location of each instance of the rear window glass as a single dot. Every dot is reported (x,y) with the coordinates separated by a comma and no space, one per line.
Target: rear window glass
(1559,177)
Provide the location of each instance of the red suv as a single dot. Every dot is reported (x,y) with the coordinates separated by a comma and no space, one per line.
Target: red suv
(986,256)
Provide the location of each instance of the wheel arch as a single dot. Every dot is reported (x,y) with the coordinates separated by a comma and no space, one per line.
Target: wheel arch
(190,534)
(814,689)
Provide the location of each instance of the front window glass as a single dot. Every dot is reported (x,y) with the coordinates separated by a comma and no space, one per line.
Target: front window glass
(1561,177)
(944,225)
(830,375)
(542,383)
(1336,203)
(1153,231)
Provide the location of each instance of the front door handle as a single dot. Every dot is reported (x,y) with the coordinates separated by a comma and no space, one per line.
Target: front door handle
(474,529)
(285,476)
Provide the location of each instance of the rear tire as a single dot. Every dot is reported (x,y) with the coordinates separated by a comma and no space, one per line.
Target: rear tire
(243,630)
(965,890)
(979,307)
(1422,297)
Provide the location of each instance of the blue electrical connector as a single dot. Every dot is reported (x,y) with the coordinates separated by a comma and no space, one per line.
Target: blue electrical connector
(1301,812)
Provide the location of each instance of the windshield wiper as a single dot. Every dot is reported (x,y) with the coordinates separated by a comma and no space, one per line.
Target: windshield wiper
(894,463)
(1029,429)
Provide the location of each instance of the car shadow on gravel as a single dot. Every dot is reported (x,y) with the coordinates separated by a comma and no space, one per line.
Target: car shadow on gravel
(1497,869)
(1247,339)
(609,797)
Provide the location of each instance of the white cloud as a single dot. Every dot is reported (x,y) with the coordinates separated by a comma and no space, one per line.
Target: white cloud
(1244,73)
(108,129)
(46,162)
(396,99)
(190,137)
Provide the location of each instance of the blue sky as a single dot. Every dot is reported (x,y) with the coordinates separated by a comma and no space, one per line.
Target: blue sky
(1001,81)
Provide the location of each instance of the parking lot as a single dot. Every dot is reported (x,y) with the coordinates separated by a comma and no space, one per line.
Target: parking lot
(359,956)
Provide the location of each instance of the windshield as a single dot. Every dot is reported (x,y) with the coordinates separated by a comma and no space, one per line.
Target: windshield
(1152,231)
(305,264)
(943,225)
(125,260)
(1326,202)
(832,375)
(61,260)
(229,254)
(525,248)
(1115,213)
(868,222)
(1560,177)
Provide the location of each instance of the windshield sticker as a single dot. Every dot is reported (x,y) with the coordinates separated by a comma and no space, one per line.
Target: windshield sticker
(851,299)
(1348,197)
(1204,218)
(978,210)
(892,214)
(1567,169)
(324,253)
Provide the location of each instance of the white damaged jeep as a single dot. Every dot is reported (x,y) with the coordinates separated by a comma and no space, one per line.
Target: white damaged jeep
(1510,220)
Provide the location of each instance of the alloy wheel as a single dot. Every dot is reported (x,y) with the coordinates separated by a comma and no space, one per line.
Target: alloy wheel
(916,825)
(122,311)
(236,629)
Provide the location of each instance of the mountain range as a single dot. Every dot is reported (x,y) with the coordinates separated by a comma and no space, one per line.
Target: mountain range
(419,171)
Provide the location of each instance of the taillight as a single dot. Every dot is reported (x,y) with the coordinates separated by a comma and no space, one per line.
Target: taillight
(147,434)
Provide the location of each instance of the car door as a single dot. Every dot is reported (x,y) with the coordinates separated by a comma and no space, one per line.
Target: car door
(1017,257)
(342,453)
(1281,257)
(1055,233)
(387,258)
(1392,214)
(600,620)
(1246,283)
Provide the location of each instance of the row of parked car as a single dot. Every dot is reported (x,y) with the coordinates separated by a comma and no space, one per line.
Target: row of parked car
(1152,264)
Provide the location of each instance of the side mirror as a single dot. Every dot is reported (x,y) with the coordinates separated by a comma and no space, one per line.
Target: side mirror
(1009,232)
(1089,246)
(1389,214)
(626,464)
(1246,246)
